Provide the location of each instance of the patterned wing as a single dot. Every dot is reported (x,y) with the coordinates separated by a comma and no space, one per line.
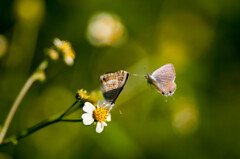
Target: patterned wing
(168,87)
(112,85)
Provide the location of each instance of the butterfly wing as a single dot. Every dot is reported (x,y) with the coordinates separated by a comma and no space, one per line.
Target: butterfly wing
(165,77)
(165,73)
(112,85)
(168,87)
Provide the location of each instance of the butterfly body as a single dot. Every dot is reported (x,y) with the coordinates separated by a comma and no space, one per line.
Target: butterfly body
(163,79)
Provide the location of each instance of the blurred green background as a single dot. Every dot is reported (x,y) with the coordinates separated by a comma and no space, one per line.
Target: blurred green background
(201,38)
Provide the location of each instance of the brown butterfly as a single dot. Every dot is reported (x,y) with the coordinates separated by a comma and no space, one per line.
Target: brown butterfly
(163,79)
(112,85)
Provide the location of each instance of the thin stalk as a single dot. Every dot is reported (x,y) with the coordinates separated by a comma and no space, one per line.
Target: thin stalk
(71,120)
(14,107)
(14,139)
(68,110)
(54,119)
(37,75)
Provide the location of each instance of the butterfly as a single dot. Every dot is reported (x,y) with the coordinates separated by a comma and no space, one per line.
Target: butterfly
(163,79)
(112,85)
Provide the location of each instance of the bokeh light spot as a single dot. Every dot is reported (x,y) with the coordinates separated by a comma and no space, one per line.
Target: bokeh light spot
(30,10)
(185,118)
(105,29)
(183,36)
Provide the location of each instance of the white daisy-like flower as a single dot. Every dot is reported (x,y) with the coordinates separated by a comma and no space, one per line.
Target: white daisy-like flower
(100,114)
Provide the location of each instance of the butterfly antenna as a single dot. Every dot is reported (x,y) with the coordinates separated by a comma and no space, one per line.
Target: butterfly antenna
(147,74)
(137,75)
(145,69)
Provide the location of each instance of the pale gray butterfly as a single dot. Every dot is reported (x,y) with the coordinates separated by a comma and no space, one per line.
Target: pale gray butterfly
(112,85)
(163,79)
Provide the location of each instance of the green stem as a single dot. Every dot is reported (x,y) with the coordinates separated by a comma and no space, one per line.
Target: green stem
(14,139)
(37,75)
(54,119)
(69,109)
(14,107)
(71,120)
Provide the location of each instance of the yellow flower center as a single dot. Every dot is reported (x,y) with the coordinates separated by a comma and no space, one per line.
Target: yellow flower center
(101,114)
(82,94)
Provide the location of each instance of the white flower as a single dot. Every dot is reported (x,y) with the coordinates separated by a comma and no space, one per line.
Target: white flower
(100,114)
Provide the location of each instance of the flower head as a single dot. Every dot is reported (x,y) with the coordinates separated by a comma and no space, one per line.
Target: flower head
(100,114)
(53,54)
(66,50)
(82,94)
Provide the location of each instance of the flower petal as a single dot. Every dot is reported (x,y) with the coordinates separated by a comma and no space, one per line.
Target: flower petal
(104,123)
(109,117)
(87,116)
(68,60)
(88,107)
(57,42)
(88,121)
(99,127)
